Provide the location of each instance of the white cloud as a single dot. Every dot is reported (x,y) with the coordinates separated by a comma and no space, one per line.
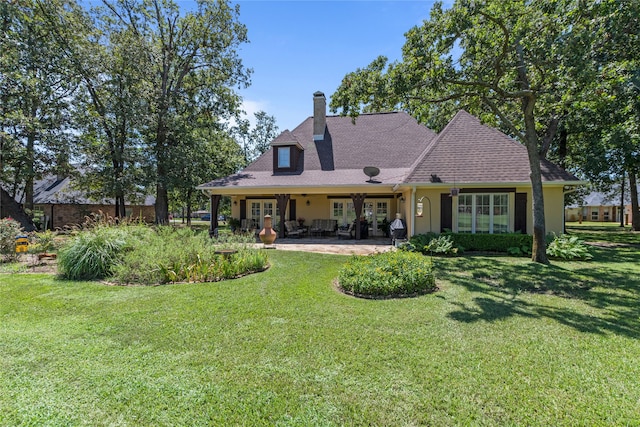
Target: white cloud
(251,107)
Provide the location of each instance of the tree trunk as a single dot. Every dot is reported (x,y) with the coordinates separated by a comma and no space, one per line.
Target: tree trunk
(11,208)
(633,192)
(162,204)
(622,200)
(562,149)
(539,250)
(29,173)
(189,212)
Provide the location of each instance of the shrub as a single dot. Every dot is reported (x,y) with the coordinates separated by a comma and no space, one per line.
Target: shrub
(568,247)
(419,241)
(511,243)
(441,245)
(93,254)
(9,230)
(44,241)
(394,273)
(492,242)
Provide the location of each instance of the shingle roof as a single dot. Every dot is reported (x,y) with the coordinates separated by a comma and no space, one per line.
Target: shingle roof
(405,151)
(466,151)
(388,141)
(57,190)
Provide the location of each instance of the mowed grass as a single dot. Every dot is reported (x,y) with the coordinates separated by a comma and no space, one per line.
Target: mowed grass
(503,342)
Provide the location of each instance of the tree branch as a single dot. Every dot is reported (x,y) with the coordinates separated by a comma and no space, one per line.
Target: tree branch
(489,103)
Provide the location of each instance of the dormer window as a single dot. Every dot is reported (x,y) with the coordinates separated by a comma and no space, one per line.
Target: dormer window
(284,157)
(287,153)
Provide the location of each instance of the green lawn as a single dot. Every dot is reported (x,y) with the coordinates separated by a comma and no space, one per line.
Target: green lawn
(503,342)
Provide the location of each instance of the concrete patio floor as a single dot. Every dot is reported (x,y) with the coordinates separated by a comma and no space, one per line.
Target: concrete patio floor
(333,245)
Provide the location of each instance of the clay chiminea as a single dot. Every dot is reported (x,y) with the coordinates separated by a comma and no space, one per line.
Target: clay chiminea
(267,235)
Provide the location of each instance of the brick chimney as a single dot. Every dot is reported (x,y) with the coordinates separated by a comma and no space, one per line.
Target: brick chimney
(319,115)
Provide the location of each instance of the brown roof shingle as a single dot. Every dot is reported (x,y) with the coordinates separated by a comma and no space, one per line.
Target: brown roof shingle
(466,151)
(389,141)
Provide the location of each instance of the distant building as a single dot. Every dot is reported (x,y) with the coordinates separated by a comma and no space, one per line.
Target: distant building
(600,207)
(62,205)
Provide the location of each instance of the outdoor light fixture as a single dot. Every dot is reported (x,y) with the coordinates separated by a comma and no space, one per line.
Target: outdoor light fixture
(235,203)
(308,202)
(419,209)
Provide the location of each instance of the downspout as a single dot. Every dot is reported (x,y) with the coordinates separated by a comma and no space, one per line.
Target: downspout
(413,211)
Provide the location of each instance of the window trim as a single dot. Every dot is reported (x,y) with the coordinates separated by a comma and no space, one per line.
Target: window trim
(510,207)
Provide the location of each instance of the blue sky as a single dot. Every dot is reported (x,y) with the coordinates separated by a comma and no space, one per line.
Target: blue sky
(299,47)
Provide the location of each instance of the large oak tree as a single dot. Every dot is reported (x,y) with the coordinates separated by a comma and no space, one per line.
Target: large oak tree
(503,60)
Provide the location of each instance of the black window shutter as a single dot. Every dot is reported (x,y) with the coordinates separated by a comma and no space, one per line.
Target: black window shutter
(292,209)
(243,209)
(446,214)
(520,213)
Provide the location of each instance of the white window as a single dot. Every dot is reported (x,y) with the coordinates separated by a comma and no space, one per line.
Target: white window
(284,157)
(260,208)
(343,211)
(594,215)
(483,213)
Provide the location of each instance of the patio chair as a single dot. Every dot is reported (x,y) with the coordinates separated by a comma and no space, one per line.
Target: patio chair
(292,229)
(345,232)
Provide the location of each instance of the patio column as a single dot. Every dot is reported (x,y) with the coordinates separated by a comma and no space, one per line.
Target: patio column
(358,201)
(282,200)
(213,223)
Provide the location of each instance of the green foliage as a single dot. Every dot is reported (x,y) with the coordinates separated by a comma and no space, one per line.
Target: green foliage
(137,254)
(9,230)
(182,255)
(568,247)
(234,224)
(493,242)
(441,245)
(93,254)
(41,242)
(511,243)
(393,273)
(519,250)
(418,242)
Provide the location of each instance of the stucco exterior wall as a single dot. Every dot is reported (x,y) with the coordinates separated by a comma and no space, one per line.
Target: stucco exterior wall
(320,207)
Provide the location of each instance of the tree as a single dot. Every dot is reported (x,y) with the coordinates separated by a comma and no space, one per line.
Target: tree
(608,113)
(191,55)
(503,59)
(254,141)
(35,92)
(109,59)
(264,131)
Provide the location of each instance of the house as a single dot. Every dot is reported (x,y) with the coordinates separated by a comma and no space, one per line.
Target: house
(61,205)
(468,178)
(601,207)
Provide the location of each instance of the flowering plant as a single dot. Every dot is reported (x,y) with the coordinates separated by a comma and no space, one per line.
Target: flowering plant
(9,230)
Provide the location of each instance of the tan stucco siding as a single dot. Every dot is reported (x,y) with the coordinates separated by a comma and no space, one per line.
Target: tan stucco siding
(320,205)
(554,209)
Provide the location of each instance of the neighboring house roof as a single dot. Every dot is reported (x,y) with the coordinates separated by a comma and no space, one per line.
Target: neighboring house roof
(388,141)
(56,190)
(597,198)
(466,151)
(405,151)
